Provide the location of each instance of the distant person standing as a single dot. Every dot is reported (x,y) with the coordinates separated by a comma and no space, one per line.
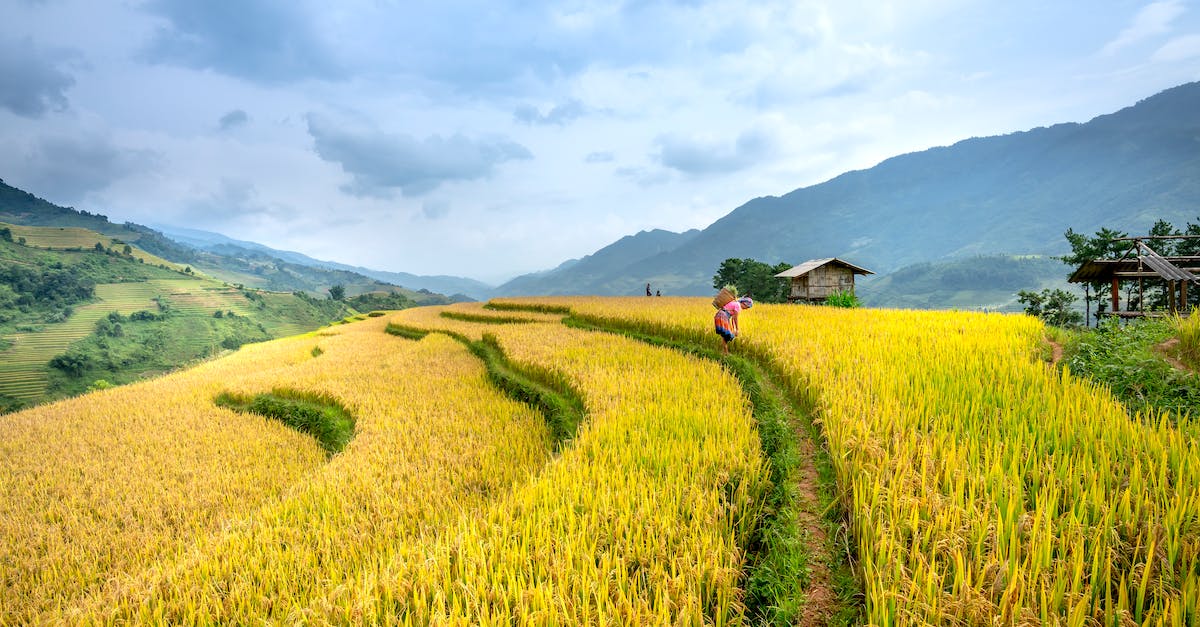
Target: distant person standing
(648,290)
(726,320)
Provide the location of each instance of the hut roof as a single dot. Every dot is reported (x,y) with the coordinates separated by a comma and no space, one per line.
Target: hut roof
(813,264)
(1152,264)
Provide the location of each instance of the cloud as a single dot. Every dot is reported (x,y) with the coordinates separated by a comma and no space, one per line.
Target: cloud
(599,157)
(269,41)
(558,115)
(233,119)
(1154,19)
(67,168)
(31,81)
(235,200)
(643,176)
(696,156)
(1179,49)
(382,163)
(435,209)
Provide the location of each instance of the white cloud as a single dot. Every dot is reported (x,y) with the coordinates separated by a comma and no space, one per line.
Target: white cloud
(1153,20)
(1178,49)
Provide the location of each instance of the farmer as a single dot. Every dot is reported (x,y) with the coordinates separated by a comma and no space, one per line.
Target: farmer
(726,320)
(647,289)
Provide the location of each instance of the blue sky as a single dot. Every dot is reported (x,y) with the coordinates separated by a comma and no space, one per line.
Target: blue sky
(492,138)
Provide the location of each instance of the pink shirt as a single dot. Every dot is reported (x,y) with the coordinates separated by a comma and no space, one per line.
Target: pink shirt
(733,307)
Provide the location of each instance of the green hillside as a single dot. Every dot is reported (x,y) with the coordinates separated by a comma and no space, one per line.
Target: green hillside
(986,283)
(74,316)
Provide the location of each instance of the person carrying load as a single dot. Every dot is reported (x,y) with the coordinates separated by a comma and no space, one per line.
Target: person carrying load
(725,321)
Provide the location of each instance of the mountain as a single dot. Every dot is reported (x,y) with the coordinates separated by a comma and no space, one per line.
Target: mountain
(234,261)
(217,243)
(1014,194)
(612,270)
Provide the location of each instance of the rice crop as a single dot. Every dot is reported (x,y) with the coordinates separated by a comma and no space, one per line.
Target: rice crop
(642,520)
(426,448)
(982,486)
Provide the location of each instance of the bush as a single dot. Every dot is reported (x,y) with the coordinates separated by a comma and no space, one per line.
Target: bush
(845,299)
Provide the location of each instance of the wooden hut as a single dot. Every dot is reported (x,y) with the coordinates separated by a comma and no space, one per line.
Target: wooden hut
(816,279)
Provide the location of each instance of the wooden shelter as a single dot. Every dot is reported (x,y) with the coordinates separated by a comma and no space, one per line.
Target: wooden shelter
(1139,263)
(816,279)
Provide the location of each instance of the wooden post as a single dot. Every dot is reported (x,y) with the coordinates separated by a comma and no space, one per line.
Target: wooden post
(1183,295)
(1171,297)
(1116,295)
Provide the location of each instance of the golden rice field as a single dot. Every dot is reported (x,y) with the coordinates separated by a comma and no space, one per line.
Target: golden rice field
(981,487)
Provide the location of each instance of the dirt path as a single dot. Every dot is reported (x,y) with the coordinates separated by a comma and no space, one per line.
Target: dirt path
(821,600)
(1056,351)
(1166,350)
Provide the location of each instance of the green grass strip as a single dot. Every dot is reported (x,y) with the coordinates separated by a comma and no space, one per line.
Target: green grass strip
(469,317)
(318,415)
(778,564)
(547,392)
(529,307)
(406,332)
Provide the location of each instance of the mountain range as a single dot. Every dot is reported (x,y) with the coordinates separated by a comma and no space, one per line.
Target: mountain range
(1014,194)
(931,213)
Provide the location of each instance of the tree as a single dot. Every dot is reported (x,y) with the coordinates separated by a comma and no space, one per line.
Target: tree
(6,234)
(1099,246)
(337,292)
(1052,306)
(754,278)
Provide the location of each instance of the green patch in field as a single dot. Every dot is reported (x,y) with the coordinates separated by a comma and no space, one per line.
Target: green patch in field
(318,415)
(534,307)
(485,319)
(410,333)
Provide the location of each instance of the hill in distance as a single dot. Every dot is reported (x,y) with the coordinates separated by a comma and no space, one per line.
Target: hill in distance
(607,271)
(460,288)
(233,261)
(1014,194)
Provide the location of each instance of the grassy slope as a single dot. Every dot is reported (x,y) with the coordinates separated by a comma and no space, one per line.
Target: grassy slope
(28,341)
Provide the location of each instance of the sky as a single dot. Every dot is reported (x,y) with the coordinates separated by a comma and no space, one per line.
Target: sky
(491,138)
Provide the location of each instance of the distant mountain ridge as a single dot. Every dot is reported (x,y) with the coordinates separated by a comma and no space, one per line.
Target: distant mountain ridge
(1015,194)
(234,261)
(442,284)
(598,269)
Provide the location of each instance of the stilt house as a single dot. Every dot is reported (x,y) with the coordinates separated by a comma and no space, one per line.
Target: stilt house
(816,279)
(1140,263)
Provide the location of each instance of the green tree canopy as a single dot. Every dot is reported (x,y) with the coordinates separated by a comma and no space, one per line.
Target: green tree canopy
(754,278)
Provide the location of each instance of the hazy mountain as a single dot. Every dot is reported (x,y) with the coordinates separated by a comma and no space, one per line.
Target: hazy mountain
(215,242)
(1015,194)
(612,270)
(233,261)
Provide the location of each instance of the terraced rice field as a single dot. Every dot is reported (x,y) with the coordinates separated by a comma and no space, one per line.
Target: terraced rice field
(23,365)
(66,237)
(978,486)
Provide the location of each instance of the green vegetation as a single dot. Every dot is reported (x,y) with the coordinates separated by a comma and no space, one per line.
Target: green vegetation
(753,278)
(549,393)
(843,298)
(321,416)
(1129,359)
(985,282)
(467,317)
(1054,307)
(533,307)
